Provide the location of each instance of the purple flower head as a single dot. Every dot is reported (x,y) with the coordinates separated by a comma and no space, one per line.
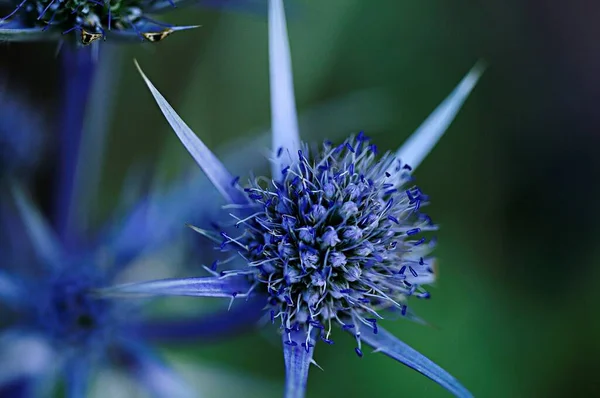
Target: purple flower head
(340,229)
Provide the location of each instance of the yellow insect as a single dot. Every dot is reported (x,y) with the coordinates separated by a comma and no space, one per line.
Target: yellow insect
(155,37)
(88,38)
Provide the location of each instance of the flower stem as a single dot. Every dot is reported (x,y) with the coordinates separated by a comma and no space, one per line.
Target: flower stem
(84,126)
(78,71)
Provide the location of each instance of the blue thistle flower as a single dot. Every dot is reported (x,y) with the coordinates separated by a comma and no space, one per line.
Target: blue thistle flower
(335,236)
(53,323)
(86,21)
(335,239)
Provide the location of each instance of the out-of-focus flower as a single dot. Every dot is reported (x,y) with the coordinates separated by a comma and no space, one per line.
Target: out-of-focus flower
(333,237)
(52,323)
(86,21)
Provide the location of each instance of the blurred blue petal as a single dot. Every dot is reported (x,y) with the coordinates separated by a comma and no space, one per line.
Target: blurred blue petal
(46,245)
(21,133)
(14,237)
(137,232)
(387,343)
(77,378)
(298,357)
(242,317)
(19,388)
(158,380)
(200,287)
(11,291)
(88,155)
(28,356)
(284,121)
(213,168)
(422,141)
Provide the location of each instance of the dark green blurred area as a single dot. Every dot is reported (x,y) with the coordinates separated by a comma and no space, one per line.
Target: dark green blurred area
(513,184)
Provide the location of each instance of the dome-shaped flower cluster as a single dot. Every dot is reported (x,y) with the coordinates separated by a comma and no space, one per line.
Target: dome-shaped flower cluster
(337,239)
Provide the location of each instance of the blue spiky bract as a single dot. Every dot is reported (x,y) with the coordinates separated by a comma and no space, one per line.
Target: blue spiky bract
(336,240)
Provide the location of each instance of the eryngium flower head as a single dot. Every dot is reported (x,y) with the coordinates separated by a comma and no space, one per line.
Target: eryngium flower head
(337,238)
(334,236)
(51,321)
(86,21)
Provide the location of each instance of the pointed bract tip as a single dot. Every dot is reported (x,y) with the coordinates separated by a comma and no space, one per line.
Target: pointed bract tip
(139,68)
(427,135)
(187,27)
(42,237)
(479,67)
(208,162)
(471,79)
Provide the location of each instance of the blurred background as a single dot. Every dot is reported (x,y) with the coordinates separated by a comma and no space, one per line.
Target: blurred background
(513,183)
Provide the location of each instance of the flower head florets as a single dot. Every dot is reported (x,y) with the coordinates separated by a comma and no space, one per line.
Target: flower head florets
(337,238)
